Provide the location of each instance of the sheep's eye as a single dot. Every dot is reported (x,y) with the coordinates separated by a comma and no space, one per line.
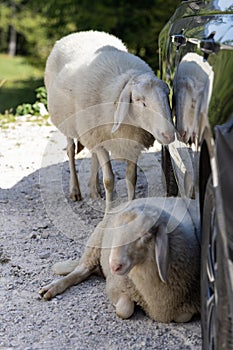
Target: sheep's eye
(139,100)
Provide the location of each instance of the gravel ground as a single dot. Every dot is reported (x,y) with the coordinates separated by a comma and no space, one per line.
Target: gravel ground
(39,226)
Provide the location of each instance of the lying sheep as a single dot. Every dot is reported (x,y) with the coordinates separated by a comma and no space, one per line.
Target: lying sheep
(109,100)
(149,253)
(192,90)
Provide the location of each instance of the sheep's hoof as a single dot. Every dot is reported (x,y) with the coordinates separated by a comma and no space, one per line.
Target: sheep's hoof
(124,307)
(95,194)
(76,197)
(47,292)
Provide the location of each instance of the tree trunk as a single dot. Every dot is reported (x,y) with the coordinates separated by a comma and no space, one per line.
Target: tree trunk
(13,34)
(12,42)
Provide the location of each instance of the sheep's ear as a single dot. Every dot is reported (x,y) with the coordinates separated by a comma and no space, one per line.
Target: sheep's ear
(186,82)
(162,251)
(122,107)
(163,86)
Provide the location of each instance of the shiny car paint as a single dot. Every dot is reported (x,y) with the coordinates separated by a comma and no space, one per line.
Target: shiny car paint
(196,60)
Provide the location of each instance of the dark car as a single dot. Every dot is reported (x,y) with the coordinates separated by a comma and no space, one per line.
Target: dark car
(196,60)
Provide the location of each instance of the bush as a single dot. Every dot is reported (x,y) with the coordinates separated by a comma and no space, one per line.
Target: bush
(35,108)
(41,95)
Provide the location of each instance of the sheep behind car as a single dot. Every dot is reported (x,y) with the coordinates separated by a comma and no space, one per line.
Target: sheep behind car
(149,253)
(107,99)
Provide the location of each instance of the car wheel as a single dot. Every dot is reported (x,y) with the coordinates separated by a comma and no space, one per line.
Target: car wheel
(208,270)
(168,172)
(216,319)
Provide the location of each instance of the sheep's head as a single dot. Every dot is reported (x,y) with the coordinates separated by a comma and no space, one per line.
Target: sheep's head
(188,96)
(145,99)
(123,258)
(132,241)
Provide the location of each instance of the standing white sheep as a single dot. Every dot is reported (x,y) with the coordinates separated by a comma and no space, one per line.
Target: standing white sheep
(109,100)
(149,253)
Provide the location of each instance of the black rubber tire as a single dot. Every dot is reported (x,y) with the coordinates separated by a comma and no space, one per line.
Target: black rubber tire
(216,320)
(208,257)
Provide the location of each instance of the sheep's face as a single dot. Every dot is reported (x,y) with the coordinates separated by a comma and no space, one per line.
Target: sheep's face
(149,98)
(188,98)
(123,258)
(145,100)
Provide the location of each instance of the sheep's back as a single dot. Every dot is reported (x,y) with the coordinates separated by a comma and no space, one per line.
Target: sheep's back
(79,47)
(88,69)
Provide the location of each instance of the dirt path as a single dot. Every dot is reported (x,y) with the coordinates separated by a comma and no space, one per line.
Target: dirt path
(40,226)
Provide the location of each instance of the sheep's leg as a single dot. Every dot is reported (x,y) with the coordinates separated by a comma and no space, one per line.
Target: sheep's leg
(80,273)
(131,178)
(94,183)
(124,306)
(75,193)
(76,271)
(108,177)
(184,317)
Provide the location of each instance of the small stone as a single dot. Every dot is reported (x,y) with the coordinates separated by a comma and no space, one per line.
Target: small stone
(44,255)
(30,198)
(41,227)
(140,186)
(45,235)
(4,259)
(10,286)
(4,201)
(33,235)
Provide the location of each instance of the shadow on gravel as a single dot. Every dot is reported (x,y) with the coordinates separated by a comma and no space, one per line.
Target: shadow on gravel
(39,225)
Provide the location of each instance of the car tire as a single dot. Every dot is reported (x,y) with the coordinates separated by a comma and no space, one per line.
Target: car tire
(216,320)
(208,256)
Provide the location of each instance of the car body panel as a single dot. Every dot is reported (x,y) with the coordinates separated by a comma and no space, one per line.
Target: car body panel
(205,30)
(224,155)
(196,61)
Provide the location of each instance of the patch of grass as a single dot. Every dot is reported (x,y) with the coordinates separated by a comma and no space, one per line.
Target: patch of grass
(18,81)
(6,118)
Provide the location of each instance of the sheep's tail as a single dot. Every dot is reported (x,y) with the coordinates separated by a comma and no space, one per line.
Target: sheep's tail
(64,267)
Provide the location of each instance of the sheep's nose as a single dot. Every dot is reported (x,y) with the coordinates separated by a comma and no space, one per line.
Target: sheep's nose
(116,267)
(183,134)
(168,137)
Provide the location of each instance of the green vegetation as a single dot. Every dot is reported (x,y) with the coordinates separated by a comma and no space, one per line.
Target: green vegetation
(5,119)
(33,111)
(30,29)
(18,80)
(8,118)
